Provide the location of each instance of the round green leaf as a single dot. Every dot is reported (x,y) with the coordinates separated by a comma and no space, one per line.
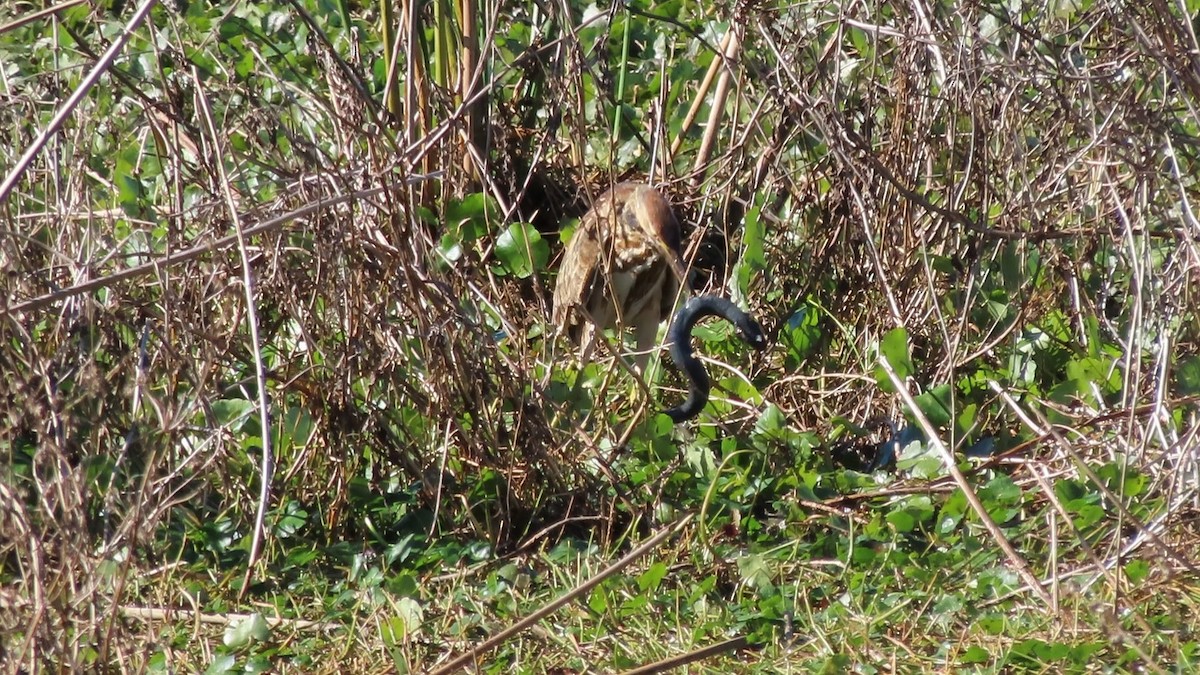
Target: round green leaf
(521,250)
(251,629)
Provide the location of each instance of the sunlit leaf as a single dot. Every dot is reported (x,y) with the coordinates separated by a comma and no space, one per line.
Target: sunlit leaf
(224,663)
(522,250)
(652,577)
(894,348)
(250,629)
(754,571)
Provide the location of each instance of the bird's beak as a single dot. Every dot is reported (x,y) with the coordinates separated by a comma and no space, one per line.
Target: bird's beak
(677,266)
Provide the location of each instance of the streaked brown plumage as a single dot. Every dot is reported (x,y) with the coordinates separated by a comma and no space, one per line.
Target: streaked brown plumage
(621,268)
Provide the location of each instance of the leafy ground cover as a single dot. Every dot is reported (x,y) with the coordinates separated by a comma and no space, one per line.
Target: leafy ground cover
(279,391)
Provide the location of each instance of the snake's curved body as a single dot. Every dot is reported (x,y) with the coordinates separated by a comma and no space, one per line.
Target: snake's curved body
(680,335)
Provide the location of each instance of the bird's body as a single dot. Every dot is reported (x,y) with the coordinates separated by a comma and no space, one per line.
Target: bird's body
(621,269)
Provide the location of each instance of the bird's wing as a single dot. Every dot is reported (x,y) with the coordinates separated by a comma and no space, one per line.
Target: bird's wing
(577,275)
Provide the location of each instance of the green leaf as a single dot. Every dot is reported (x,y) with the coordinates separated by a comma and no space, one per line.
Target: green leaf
(650,579)
(921,460)
(952,513)
(800,334)
(406,621)
(771,420)
(975,654)
(1001,489)
(450,249)
(753,260)
(1011,268)
(997,304)
(1137,570)
(294,517)
(754,234)
(902,521)
(222,664)
(894,348)
(251,629)
(296,427)
(992,624)
(522,250)
(597,601)
(468,217)
(948,604)
(1187,376)
(1096,370)
(966,418)
(754,571)
(910,513)
(391,631)
(1133,484)
(129,188)
(258,663)
(935,404)
(231,410)
(567,230)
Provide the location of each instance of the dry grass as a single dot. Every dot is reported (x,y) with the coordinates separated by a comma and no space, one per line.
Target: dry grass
(902,157)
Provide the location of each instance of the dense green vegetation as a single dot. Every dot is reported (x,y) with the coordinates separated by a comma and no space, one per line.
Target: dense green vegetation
(974,219)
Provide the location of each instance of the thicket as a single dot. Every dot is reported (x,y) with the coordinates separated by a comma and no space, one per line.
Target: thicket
(974,219)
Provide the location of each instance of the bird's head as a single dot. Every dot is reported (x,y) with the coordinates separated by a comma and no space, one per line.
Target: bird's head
(649,212)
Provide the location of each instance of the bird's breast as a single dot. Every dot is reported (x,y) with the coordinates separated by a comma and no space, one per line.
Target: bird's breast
(633,252)
(636,287)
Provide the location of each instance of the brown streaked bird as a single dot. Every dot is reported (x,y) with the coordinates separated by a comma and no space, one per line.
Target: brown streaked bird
(621,269)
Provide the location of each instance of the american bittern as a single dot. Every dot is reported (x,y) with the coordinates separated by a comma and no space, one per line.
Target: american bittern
(621,269)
